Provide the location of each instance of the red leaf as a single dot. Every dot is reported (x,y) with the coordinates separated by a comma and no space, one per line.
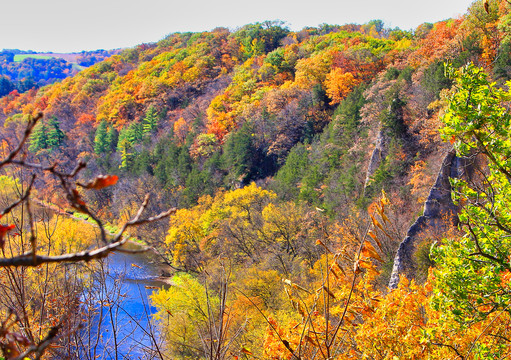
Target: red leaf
(4,229)
(77,198)
(102,181)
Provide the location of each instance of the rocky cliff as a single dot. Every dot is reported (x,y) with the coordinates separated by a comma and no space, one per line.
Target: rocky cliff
(439,214)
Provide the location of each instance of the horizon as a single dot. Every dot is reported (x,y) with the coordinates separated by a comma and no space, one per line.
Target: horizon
(55,27)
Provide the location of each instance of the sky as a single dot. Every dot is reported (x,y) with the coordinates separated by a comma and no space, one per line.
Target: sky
(73,26)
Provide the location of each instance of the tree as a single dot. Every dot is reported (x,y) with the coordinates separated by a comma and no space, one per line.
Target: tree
(150,121)
(339,84)
(127,155)
(112,138)
(24,248)
(39,138)
(473,275)
(239,153)
(292,172)
(47,136)
(6,86)
(100,140)
(181,129)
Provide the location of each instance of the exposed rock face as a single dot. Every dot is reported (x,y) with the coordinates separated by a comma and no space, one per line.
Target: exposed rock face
(439,213)
(378,155)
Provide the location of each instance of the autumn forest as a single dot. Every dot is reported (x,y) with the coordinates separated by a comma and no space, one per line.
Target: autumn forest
(339,192)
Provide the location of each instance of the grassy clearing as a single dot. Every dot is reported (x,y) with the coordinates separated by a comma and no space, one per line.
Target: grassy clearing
(69,57)
(78,67)
(21,57)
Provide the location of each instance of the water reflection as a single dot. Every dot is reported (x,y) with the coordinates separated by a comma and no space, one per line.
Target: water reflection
(117,319)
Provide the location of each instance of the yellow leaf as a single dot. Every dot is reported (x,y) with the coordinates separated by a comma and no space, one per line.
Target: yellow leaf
(296,286)
(245,351)
(384,217)
(384,200)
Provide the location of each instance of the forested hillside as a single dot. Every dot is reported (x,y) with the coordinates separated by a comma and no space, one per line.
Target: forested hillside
(294,165)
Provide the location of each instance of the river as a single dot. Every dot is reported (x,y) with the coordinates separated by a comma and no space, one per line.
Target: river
(118,315)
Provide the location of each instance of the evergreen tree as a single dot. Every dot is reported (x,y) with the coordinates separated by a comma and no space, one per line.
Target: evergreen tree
(184,162)
(39,138)
(55,136)
(112,138)
(134,133)
(239,153)
(150,122)
(292,172)
(126,154)
(100,140)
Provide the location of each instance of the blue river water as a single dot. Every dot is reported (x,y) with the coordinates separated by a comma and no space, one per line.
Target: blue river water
(117,310)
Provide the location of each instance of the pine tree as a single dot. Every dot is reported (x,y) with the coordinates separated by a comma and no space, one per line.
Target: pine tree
(112,138)
(150,122)
(126,154)
(55,136)
(39,138)
(100,140)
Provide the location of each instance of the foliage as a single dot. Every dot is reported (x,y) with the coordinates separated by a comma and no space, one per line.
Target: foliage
(275,146)
(477,120)
(47,136)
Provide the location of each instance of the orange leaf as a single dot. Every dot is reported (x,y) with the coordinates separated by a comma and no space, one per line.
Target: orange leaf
(102,181)
(368,265)
(376,222)
(369,251)
(319,242)
(375,238)
(365,264)
(356,267)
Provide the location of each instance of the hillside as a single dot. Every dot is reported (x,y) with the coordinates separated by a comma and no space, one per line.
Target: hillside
(24,70)
(297,163)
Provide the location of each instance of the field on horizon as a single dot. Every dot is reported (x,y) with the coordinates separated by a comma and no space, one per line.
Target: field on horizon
(68,57)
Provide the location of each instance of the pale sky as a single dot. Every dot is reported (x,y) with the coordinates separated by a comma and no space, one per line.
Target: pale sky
(71,25)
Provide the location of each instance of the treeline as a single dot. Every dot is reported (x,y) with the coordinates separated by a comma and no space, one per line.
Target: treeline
(33,72)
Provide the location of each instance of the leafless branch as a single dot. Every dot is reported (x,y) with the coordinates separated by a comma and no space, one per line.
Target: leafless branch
(88,255)
(39,348)
(28,130)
